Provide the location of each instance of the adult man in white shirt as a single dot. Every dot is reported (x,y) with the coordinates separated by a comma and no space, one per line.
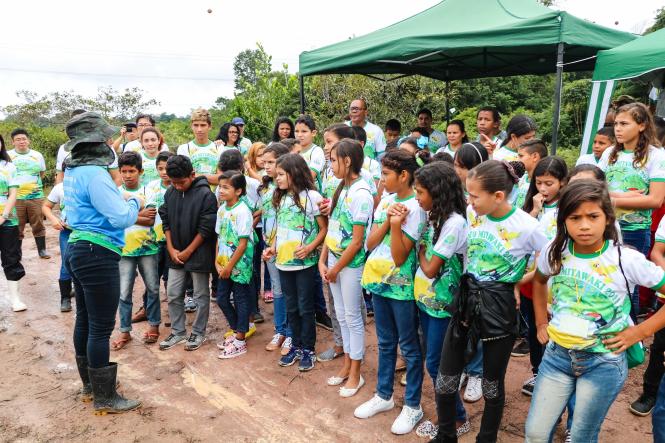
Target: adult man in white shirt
(376,140)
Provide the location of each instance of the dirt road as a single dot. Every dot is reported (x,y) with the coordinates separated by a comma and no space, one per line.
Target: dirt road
(195,397)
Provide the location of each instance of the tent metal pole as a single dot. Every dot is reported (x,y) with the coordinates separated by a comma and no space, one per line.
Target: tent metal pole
(301,80)
(557,97)
(447,102)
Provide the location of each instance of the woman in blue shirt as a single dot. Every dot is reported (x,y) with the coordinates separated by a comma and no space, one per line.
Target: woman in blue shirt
(98,215)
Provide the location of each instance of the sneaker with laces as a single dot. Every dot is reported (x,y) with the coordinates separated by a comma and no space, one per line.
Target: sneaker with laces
(190,304)
(171,341)
(276,342)
(407,420)
(373,406)
(474,389)
(521,348)
(643,405)
(227,341)
(307,360)
(286,346)
(194,342)
(235,349)
(291,357)
(569,438)
(527,387)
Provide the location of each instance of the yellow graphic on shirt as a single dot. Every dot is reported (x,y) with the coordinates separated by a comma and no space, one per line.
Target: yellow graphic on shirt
(603,270)
(286,252)
(506,236)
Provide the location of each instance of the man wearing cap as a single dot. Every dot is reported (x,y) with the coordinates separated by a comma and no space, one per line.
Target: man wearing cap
(97,214)
(245,143)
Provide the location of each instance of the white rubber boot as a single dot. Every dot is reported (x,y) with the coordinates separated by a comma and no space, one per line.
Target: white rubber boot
(14,297)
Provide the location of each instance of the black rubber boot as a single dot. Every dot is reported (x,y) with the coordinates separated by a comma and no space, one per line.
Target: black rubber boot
(85,394)
(65,295)
(41,247)
(106,398)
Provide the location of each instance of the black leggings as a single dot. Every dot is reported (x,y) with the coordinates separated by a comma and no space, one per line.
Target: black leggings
(10,253)
(496,354)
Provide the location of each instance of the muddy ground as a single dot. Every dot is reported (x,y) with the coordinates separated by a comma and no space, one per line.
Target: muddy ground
(195,397)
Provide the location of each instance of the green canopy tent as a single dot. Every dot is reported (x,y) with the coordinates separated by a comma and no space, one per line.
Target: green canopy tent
(459,39)
(642,58)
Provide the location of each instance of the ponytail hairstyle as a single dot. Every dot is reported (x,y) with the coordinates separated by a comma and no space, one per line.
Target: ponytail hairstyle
(342,131)
(551,165)
(595,170)
(277,149)
(423,156)
(236,179)
(351,149)
(155,131)
(300,179)
(518,125)
(4,155)
(495,176)
(445,188)
(398,161)
(640,113)
(573,195)
(470,155)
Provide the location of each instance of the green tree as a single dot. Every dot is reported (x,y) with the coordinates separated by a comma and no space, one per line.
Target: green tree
(659,23)
(250,65)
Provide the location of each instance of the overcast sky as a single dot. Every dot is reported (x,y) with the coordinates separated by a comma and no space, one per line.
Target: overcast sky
(183,56)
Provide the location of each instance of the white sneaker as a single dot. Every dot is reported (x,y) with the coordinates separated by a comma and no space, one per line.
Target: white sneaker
(373,406)
(406,420)
(474,389)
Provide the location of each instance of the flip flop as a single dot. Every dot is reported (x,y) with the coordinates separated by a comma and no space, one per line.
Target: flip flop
(150,337)
(120,343)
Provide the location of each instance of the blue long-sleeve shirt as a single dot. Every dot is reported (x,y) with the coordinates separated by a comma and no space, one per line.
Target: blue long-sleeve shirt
(96,211)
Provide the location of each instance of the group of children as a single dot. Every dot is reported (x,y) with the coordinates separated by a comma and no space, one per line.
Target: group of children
(458,254)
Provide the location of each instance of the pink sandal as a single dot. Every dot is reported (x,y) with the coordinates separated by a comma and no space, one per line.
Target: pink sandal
(267,297)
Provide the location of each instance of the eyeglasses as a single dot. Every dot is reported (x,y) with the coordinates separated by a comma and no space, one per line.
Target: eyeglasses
(234,132)
(356,109)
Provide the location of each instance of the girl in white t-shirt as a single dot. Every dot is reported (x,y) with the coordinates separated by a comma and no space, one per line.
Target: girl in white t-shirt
(592,277)
(549,177)
(343,258)
(500,240)
(635,171)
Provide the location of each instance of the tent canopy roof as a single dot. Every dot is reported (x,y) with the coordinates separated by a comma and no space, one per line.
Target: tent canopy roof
(633,59)
(460,39)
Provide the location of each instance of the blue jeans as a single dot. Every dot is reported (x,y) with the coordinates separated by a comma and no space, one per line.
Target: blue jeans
(96,278)
(64,238)
(397,322)
(279,302)
(299,289)
(595,378)
(640,240)
(320,301)
(237,314)
(658,415)
(434,331)
(147,265)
